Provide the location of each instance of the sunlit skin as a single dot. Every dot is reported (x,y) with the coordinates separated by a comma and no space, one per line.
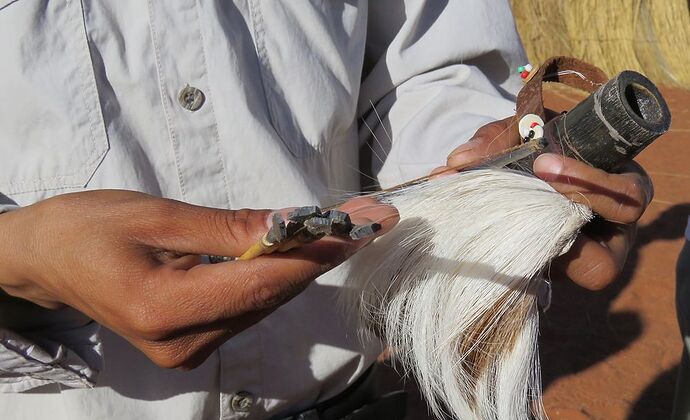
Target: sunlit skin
(131,262)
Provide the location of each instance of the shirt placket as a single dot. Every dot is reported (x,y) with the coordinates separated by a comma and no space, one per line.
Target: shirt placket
(240,379)
(176,32)
(177,35)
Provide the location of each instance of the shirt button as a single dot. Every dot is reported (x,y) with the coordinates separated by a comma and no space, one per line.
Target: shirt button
(242,402)
(191,98)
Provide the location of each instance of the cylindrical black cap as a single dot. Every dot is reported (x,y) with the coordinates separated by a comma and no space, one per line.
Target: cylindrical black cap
(611,126)
(615,123)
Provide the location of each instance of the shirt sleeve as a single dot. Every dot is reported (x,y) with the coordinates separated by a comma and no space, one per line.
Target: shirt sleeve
(39,346)
(435,71)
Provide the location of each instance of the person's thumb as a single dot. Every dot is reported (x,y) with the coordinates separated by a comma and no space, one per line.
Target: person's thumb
(488,140)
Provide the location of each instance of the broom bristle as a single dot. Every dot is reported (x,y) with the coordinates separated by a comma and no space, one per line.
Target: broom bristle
(452,289)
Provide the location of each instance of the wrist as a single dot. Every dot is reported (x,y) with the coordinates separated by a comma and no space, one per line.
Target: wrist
(12,246)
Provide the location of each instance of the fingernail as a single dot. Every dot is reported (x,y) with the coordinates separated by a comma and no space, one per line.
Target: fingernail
(548,166)
(283,212)
(365,210)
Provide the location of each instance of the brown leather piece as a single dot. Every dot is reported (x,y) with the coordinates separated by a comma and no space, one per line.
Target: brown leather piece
(565,70)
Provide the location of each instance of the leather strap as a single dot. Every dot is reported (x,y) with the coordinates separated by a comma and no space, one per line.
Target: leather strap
(566,70)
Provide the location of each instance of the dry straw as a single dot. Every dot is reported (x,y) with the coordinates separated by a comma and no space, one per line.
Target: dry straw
(650,36)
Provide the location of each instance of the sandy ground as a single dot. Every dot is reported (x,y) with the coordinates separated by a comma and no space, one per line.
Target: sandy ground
(614,354)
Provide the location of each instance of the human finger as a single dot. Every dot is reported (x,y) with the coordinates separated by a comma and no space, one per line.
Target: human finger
(598,255)
(188,229)
(488,140)
(620,197)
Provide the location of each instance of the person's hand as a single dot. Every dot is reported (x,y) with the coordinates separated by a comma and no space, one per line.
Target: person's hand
(131,262)
(598,255)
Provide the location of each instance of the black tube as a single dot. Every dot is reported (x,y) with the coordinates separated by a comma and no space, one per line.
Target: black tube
(610,127)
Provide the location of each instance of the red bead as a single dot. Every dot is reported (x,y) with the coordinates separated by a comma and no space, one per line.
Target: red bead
(534,124)
(524,74)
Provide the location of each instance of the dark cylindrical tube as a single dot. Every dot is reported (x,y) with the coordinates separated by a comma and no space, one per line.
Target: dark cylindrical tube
(611,126)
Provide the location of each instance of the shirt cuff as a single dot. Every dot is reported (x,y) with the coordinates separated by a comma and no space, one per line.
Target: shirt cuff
(4,208)
(39,346)
(25,365)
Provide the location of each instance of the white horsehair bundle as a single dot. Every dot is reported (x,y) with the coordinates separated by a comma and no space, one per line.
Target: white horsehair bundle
(453,287)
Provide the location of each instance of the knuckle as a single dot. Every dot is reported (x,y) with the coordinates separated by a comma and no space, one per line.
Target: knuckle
(639,194)
(184,353)
(148,324)
(489,129)
(637,202)
(231,225)
(630,214)
(633,214)
(265,297)
(269,294)
(193,359)
(602,275)
(167,357)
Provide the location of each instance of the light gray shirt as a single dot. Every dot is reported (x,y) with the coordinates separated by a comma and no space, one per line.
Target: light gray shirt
(229,104)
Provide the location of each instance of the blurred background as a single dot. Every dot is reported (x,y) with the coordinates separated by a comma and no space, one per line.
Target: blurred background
(650,36)
(614,354)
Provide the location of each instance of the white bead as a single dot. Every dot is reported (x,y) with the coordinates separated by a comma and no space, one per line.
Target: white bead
(525,126)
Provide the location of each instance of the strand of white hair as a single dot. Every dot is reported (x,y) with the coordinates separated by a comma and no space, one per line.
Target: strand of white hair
(452,289)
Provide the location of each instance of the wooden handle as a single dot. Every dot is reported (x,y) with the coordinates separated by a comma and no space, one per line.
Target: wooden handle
(611,126)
